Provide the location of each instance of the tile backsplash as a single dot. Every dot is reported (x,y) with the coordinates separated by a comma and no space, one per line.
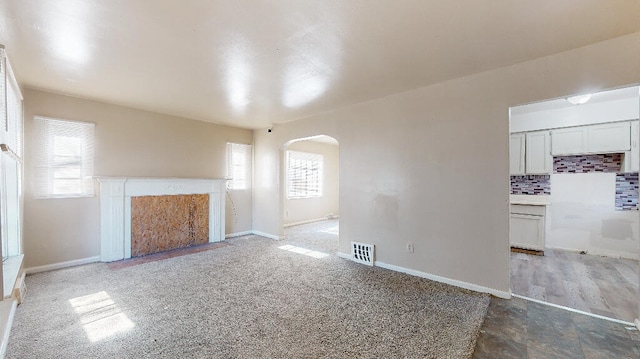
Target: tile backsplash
(626,191)
(626,183)
(605,163)
(531,184)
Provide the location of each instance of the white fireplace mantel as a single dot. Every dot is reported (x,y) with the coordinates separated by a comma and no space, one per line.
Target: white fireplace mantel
(115,208)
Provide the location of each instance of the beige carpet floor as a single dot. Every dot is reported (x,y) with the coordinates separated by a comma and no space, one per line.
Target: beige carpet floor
(250,299)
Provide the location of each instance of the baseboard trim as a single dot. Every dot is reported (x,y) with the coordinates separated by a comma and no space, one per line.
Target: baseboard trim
(286,225)
(54,266)
(579,311)
(267,235)
(7,330)
(445,280)
(437,278)
(597,252)
(238,234)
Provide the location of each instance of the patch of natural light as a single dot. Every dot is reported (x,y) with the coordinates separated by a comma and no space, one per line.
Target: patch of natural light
(66,25)
(306,252)
(238,72)
(333,230)
(100,316)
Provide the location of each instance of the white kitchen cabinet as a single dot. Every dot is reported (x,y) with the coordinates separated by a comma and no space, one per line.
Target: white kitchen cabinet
(526,228)
(538,157)
(632,157)
(604,138)
(609,137)
(569,141)
(516,153)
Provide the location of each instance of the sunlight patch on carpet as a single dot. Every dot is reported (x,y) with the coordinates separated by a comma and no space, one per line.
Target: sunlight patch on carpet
(100,316)
(333,230)
(306,252)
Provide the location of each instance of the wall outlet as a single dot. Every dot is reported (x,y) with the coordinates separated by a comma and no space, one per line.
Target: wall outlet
(410,247)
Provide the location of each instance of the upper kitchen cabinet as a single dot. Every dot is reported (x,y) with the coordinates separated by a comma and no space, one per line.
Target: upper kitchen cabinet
(632,157)
(610,137)
(538,153)
(569,141)
(516,153)
(603,138)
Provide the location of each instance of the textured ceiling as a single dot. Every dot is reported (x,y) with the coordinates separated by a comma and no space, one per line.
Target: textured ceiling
(252,63)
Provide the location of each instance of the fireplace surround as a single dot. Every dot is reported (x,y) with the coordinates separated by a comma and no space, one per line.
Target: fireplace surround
(115,208)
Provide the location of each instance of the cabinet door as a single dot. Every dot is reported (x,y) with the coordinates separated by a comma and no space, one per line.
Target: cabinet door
(609,137)
(635,154)
(527,231)
(516,154)
(538,154)
(569,141)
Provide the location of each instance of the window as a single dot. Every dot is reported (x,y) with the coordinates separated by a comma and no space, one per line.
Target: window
(63,158)
(238,166)
(304,175)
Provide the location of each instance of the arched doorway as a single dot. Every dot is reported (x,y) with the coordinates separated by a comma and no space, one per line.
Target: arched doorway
(310,192)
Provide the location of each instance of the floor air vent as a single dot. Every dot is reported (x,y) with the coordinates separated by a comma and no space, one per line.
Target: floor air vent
(362,253)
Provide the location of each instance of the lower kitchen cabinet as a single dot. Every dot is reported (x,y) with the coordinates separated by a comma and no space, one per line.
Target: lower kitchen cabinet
(527,227)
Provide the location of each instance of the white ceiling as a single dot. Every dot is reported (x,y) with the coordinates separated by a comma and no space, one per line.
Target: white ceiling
(252,63)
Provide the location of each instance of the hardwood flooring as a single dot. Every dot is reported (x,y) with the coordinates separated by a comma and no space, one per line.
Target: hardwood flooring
(594,284)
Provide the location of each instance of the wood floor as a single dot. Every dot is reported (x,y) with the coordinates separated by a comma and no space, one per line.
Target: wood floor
(594,284)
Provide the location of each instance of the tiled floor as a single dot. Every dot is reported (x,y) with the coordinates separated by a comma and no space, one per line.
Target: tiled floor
(594,284)
(517,328)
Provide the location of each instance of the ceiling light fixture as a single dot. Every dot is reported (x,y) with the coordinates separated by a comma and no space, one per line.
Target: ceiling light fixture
(579,100)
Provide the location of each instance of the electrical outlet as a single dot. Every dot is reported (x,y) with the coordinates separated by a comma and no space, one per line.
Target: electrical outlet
(410,247)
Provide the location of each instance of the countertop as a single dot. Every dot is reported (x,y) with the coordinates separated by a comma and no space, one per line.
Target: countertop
(542,200)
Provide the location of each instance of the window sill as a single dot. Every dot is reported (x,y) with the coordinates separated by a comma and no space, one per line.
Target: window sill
(10,271)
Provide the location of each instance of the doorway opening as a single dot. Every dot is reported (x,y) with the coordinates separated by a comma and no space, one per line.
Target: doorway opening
(574,222)
(310,203)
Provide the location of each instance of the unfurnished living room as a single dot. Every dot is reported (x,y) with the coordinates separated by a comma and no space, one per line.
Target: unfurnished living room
(319,179)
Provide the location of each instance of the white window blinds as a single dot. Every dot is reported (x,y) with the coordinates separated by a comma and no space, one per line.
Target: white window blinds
(63,158)
(11,132)
(238,166)
(304,174)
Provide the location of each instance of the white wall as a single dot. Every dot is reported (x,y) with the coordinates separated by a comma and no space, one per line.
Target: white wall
(307,209)
(430,166)
(129,143)
(582,216)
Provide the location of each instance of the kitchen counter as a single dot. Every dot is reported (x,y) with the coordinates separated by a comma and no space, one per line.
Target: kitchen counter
(530,200)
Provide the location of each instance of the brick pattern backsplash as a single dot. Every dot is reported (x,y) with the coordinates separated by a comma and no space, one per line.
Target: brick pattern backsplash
(626,191)
(605,163)
(531,184)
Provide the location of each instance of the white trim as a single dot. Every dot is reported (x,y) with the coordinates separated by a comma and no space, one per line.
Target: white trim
(115,208)
(453,282)
(7,330)
(238,234)
(445,280)
(54,266)
(305,222)
(599,252)
(637,322)
(263,234)
(577,311)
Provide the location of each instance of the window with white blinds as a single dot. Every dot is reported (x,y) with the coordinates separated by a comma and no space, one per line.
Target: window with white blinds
(13,124)
(63,158)
(238,166)
(304,175)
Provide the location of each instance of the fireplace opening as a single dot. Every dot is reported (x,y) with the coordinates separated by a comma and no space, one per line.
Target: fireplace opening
(162,223)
